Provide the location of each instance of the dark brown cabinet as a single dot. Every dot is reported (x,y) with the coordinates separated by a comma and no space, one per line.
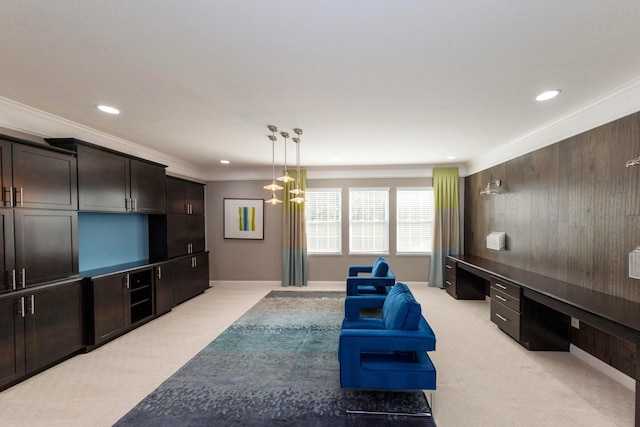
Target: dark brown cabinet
(184,197)
(193,277)
(119,302)
(7,251)
(39,328)
(182,231)
(38,233)
(167,274)
(34,177)
(43,179)
(185,235)
(46,245)
(109,181)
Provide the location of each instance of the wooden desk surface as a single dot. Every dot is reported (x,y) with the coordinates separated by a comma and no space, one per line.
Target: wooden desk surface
(619,311)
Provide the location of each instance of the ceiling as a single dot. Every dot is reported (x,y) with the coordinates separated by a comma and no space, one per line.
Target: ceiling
(371,82)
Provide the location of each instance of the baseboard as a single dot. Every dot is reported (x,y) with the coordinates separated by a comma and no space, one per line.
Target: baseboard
(600,366)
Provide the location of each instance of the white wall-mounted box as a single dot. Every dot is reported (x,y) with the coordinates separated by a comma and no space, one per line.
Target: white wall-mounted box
(495,241)
(634,263)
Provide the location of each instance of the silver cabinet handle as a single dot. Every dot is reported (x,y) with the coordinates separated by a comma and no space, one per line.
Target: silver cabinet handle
(447,266)
(159,272)
(13,279)
(134,205)
(32,304)
(8,191)
(503,299)
(501,286)
(126,281)
(448,283)
(22,313)
(504,319)
(21,191)
(24,277)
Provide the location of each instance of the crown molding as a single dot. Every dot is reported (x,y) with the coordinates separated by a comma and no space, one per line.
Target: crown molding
(28,120)
(618,103)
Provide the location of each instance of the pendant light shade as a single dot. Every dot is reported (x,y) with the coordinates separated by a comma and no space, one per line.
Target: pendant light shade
(285,178)
(274,185)
(297,192)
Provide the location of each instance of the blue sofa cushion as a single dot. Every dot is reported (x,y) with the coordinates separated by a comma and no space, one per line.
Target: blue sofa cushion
(380,268)
(400,309)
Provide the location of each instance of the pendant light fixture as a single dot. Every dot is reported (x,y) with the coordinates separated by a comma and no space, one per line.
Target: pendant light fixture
(297,192)
(274,185)
(285,178)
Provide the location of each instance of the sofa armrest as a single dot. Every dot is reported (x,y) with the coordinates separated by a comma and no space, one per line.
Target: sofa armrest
(353,304)
(353,342)
(381,283)
(421,339)
(354,270)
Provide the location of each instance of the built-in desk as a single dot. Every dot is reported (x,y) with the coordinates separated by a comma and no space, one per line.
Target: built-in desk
(536,310)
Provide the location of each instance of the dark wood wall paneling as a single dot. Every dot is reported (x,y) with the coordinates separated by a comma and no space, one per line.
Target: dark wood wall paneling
(570,211)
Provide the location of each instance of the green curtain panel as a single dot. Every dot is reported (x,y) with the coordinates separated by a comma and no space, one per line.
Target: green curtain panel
(294,235)
(446,222)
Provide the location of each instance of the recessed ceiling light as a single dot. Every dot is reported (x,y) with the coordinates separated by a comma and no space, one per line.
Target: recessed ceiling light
(450,157)
(225,162)
(547,95)
(108,109)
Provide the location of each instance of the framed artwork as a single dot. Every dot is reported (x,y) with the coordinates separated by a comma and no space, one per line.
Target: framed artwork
(244,219)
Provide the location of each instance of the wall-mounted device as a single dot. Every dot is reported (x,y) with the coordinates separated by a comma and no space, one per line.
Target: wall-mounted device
(634,263)
(496,240)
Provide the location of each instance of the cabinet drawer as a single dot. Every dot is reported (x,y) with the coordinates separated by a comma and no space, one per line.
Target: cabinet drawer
(450,281)
(505,299)
(450,267)
(506,319)
(506,287)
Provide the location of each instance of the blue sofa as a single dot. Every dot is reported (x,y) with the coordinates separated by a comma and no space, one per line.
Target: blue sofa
(387,353)
(379,281)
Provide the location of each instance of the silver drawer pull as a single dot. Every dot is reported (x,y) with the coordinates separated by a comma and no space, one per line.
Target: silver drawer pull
(503,299)
(448,283)
(504,319)
(501,286)
(448,266)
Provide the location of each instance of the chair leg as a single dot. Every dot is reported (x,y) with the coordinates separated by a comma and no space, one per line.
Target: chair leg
(429,399)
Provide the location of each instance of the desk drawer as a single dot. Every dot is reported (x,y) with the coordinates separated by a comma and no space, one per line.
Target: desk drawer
(506,319)
(506,287)
(505,299)
(450,267)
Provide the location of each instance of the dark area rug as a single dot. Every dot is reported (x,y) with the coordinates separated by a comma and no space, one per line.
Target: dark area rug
(275,366)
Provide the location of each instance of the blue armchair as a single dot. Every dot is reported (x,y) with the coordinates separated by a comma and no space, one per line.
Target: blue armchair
(387,353)
(379,282)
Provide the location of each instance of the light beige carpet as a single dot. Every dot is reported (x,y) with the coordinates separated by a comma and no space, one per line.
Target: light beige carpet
(484,377)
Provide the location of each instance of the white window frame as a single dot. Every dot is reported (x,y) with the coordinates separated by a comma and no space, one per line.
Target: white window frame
(312,248)
(384,248)
(402,221)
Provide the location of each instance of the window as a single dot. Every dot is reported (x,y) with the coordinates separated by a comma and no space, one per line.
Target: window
(368,220)
(323,212)
(414,227)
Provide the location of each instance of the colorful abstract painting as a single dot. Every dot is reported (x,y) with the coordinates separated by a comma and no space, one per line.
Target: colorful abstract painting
(244,219)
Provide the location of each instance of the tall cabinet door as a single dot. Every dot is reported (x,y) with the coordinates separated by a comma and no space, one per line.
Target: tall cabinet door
(53,327)
(103,180)
(12,362)
(46,245)
(200,274)
(44,179)
(6,175)
(7,251)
